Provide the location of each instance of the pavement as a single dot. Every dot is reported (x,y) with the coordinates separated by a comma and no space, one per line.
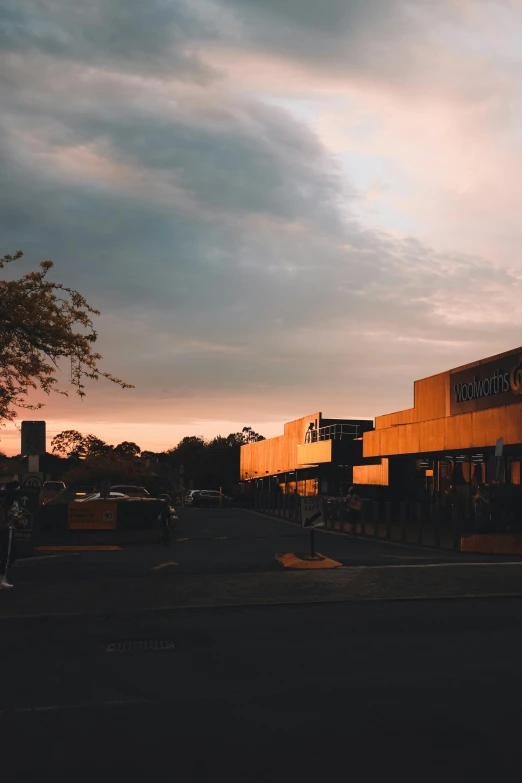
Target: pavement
(207,660)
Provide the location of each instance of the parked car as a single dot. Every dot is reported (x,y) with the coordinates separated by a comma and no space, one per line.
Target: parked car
(209,497)
(131,490)
(189,497)
(50,490)
(53,486)
(98,496)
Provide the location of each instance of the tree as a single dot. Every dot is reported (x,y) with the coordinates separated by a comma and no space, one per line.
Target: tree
(97,447)
(127,449)
(42,323)
(249,436)
(69,443)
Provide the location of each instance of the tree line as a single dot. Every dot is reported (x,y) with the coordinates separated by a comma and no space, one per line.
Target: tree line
(85,460)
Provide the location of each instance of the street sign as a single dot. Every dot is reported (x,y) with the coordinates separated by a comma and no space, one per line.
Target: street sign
(499,447)
(312,512)
(92,515)
(25,528)
(29,510)
(33,438)
(33,481)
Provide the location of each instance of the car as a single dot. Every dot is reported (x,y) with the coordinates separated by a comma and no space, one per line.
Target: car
(209,497)
(131,490)
(98,496)
(53,486)
(50,490)
(189,497)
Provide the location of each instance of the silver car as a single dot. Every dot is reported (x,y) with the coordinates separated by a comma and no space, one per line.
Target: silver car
(189,497)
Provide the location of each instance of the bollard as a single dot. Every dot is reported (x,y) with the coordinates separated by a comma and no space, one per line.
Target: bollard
(364,517)
(403,513)
(388,514)
(436,523)
(375,520)
(455,535)
(418,514)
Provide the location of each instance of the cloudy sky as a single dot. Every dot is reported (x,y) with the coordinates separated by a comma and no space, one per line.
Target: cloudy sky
(279,206)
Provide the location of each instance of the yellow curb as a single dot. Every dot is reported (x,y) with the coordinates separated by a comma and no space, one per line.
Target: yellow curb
(164,565)
(78,548)
(492,544)
(290,560)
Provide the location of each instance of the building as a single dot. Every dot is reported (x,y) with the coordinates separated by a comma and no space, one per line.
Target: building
(314,455)
(444,446)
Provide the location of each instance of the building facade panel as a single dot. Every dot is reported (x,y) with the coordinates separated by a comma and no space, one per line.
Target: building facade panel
(431,435)
(372,444)
(388,442)
(372,474)
(395,419)
(311,453)
(458,432)
(408,438)
(430,397)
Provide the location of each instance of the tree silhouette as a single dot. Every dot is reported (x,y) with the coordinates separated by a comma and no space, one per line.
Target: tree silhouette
(42,323)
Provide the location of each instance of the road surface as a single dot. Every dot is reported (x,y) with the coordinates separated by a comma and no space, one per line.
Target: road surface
(206,661)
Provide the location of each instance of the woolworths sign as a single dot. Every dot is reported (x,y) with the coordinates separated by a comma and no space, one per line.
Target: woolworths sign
(488,385)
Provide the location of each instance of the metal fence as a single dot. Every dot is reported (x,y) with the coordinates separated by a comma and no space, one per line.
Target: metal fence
(409,523)
(333,432)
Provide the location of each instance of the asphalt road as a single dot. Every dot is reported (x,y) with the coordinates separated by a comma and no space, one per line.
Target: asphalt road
(213,541)
(307,686)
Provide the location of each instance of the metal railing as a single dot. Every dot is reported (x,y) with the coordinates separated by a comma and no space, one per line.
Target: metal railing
(333,432)
(419,524)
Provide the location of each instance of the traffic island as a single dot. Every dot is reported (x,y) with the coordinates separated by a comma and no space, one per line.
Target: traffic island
(492,544)
(292,560)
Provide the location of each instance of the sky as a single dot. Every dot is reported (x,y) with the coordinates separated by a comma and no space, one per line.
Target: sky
(279,206)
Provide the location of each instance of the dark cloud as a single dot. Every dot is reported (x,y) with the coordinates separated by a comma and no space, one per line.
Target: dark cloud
(214,231)
(152,37)
(365,36)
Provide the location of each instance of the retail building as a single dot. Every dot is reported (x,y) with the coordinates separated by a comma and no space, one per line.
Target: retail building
(446,444)
(314,455)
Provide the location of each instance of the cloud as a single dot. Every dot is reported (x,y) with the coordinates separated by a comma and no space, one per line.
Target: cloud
(152,38)
(218,231)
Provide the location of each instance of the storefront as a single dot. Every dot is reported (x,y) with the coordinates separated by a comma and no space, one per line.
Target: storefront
(464,431)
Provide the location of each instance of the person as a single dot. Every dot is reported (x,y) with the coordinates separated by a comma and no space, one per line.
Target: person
(353,506)
(164,517)
(482,508)
(10,514)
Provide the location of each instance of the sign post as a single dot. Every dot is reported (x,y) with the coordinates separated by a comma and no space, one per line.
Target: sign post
(312,516)
(181,473)
(499,448)
(105,488)
(33,438)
